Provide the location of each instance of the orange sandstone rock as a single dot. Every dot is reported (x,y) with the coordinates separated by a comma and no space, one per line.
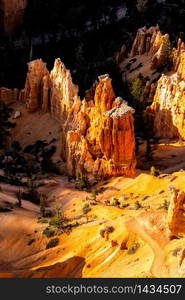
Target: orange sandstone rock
(176,210)
(146,41)
(35,91)
(166,114)
(9,96)
(151,42)
(97,133)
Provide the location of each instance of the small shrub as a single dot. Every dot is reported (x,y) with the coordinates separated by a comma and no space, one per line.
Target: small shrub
(136,87)
(138,205)
(104,232)
(43,221)
(154,172)
(86,208)
(53,243)
(31,242)
(116,202)
(4,209)
(133,249)
(165,205)
(176,252)
(82,182)
(109,229)
(49,232)
(94,193)
(31,194)
(58,220)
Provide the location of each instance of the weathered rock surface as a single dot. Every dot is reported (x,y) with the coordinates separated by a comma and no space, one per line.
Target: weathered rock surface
(36,91)
(12,12)
(9,96)
(97,133)
(176,211)
(166,114)
(152,43)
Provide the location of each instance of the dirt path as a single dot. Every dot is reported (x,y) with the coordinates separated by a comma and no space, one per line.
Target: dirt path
(158,268)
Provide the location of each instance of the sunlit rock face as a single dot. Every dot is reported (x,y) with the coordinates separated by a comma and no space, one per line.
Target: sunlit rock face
(166,114)
(103,135)
(97,133)
(175,216)
(12,13)
(36,86)
(151,42)
(63,92)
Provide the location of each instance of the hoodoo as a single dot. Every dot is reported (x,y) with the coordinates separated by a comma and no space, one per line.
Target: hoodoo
(97,134)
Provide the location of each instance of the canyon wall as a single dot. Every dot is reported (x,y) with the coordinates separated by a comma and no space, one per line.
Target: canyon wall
(166,114)
(11,13)
(97,133)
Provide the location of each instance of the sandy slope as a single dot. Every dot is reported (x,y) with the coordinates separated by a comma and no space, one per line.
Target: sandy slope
(85,253)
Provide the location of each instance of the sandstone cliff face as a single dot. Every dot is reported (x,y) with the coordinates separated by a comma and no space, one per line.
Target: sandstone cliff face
(12,12)
(166,114)
(175,216)
(97,134)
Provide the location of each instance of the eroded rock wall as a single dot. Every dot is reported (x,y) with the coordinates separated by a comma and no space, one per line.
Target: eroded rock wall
(166,114)
(153,43)
(97,133)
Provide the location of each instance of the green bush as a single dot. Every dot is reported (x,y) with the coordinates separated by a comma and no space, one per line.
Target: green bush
(154,172)
(138,205)
(165,205)
(86,208)
(133,249)
(82,182)
(31,194)
(94,193)
(49,232)
(43,221)
(136,87)
(116,202)
(4,209)
(58,220)
(31,242)
(53,243)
